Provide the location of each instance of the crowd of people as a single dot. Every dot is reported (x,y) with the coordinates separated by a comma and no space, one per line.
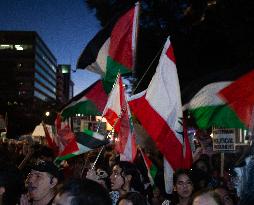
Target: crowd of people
(28,175)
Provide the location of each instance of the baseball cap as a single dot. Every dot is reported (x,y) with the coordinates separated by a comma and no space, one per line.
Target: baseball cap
(49,167)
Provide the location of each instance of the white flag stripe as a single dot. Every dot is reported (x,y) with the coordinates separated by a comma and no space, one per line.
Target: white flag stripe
(163,86)
(114,101)
(207,96)
(99,66)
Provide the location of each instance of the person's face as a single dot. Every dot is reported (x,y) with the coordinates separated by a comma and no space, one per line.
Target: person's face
(224,196)
(39,184)
(184,186)
(116,179)
(202,166)
(125,202)
(204,199)
(63,199)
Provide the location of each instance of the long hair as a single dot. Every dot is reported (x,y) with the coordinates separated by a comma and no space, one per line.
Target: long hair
(129,168)
(179,172)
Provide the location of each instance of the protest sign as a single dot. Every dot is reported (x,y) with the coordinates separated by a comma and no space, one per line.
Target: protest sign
(223,140)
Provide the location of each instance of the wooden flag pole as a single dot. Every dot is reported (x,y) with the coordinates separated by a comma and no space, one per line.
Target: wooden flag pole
(222,159)
(251,127)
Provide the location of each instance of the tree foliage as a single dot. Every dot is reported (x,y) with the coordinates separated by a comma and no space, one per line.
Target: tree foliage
(207,35)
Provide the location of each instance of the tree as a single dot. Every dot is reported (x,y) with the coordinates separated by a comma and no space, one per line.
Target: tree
(207,35)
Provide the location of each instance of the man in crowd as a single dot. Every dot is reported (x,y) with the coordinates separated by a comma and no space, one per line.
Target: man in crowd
(41,184)
(81,192)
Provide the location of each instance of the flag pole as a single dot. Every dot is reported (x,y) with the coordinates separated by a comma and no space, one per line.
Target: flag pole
(99,154)
(251,125)
(97,157)
(222,159)
(135,36)
(159,52)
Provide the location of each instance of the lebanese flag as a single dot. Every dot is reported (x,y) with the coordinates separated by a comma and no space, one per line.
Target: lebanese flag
(239,96)
(118,115)
(159,110)
(112,50)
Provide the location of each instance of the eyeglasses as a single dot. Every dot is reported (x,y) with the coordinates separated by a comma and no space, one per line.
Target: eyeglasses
(182,183)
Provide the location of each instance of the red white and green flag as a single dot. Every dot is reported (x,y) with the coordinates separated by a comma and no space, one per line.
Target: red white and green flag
(151,168)
(204,103)
(239,97)
(51,138)
(71,144)
(159,110)
(65,138)
(221,103)
(210,110)
(112,50)
(89,102)
(84,142)
(118,115)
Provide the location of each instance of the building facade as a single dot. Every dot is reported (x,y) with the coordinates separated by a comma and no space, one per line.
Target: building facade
(27,79)
(67,83)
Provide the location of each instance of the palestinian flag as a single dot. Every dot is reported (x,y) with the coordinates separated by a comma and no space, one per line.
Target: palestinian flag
(112,50)
(85,141)
(239,96)
(207,106)
(151,168)
(89,102)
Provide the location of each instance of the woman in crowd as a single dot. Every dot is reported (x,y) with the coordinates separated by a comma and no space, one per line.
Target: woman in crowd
(125,177)
(183,188)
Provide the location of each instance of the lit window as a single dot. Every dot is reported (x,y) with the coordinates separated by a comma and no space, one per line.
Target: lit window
(19,47)
(65,69)
(6,46)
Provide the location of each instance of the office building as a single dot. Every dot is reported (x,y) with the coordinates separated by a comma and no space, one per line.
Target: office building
(27,79)
(68,84)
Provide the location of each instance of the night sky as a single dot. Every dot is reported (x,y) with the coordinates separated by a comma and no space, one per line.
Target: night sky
(65,26)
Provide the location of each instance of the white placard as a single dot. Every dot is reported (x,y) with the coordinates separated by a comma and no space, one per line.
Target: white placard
(224,140)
